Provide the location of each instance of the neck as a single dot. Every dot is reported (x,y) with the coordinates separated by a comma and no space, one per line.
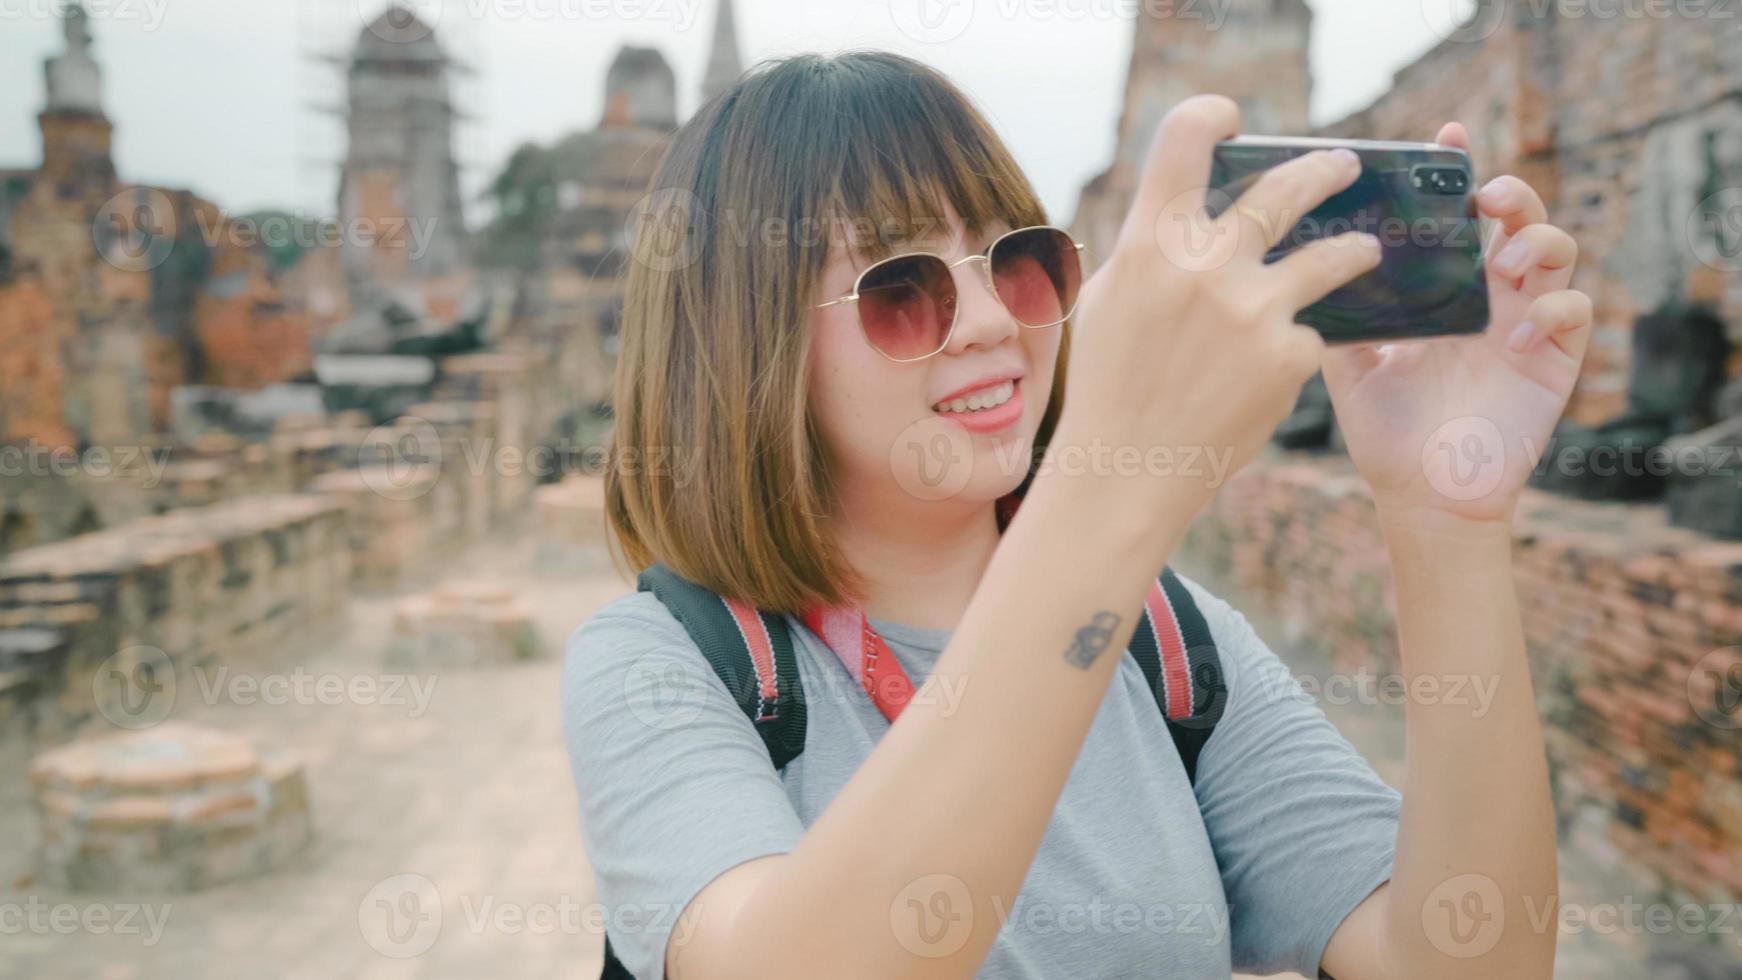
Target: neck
(921,562)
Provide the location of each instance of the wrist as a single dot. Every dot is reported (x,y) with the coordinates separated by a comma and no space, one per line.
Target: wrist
(1131,476)
(1399,517)
(1140,511)
(1445,542)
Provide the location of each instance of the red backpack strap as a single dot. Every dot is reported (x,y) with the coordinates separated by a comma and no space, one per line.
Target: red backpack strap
(1177,653)
(751,652)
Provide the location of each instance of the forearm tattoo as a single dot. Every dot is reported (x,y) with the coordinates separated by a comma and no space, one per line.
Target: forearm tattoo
(1092,640)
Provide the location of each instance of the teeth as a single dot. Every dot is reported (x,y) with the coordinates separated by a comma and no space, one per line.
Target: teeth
(980,400)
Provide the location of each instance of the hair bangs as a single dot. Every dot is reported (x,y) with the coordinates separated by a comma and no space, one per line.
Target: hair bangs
(916,151)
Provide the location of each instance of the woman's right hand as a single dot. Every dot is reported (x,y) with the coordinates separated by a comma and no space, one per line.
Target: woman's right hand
(1184,339)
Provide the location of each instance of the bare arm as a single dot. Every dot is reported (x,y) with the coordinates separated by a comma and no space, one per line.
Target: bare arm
(1474,882)
(1475,868)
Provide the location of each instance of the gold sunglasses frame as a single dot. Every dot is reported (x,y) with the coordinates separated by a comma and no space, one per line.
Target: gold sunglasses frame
(956,311)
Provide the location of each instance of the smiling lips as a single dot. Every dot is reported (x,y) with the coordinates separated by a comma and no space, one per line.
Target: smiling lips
(986,409)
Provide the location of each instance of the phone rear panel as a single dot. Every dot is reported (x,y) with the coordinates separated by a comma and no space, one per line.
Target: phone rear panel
(1430,278)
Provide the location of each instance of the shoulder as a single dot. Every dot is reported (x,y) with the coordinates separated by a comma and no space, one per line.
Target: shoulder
(1235,638)
(635,613)
(1214,609)
(1252,672)
(632,664)
(622,631)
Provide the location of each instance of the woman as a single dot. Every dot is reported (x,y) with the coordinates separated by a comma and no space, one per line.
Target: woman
(837,442)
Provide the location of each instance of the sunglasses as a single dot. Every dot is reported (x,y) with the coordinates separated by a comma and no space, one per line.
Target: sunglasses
(907,303)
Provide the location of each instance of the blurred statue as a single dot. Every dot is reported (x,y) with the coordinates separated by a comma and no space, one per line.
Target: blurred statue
(1705,484)
(1678,368)
(74,81)
(1312,424)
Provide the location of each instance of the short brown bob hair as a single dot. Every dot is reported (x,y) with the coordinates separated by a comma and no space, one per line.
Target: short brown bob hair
(717,469)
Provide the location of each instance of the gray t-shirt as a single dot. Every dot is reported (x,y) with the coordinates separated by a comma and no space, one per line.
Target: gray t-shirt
(1137,876)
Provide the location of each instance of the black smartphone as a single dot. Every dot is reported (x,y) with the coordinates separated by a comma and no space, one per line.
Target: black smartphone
(1418,198)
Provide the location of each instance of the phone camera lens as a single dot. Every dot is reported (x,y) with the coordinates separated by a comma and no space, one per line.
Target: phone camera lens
(1444,180)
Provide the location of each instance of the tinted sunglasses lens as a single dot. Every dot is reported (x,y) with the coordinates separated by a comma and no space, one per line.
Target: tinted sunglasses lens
(1037,272)
(906,305)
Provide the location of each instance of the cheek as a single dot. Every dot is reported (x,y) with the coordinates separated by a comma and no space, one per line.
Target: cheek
(1042,347)
(860,399)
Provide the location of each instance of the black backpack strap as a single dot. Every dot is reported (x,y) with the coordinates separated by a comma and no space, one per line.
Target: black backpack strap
(614,968)
(1173,646)
(750,650)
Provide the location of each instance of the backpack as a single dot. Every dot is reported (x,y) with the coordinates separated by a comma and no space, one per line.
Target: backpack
(751,651)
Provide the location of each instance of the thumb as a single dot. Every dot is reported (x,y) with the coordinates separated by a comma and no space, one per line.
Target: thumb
(1346,364)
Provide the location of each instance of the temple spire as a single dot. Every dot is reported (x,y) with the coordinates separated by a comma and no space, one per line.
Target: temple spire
(724,64)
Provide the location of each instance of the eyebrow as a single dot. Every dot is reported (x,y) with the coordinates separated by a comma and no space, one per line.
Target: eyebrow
(979,243)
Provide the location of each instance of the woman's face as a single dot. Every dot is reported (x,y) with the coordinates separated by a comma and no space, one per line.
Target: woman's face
(903,431)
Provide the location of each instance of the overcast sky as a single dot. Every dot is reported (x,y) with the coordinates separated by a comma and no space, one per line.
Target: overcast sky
(224,96)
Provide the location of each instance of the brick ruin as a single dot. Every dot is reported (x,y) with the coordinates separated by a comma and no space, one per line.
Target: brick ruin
(1628,622)
(114,296)
(1632,130)
(216,438)
(400,181)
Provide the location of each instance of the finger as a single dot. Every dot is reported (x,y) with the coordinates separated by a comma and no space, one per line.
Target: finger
(1511,202)
(1177,170)
(1540,256)
(1311,272)
(1454,134)
(1562,320)
(1286,193)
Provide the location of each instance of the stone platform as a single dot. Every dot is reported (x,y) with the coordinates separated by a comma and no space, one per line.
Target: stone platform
(463,623)
(178,807)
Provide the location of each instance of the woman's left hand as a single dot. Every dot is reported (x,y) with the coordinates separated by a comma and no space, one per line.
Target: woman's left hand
(1454,425)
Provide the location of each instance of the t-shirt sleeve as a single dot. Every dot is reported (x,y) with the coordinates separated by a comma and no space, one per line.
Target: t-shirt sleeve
(1302,827)
(675,785)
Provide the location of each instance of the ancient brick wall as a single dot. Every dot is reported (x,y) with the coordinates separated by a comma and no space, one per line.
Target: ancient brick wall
(194,585)
(32,329)
(1629,624)
(1256,54)
(1629,126)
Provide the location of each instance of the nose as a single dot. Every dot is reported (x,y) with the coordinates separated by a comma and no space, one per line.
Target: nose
(981,320)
